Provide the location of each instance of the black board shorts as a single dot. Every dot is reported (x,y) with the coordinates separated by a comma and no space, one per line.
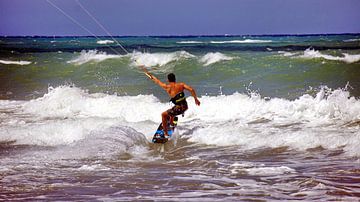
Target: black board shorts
(178,109)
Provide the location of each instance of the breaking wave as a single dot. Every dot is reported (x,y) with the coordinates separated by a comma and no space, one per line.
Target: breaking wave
(211,58)
(307,122)
(9,62)
(92,56)
(149,59)
(311,53)
(105,42)
(189,42)
(242,41)
(68,115)
(159,59)
(226,42)
(351,40)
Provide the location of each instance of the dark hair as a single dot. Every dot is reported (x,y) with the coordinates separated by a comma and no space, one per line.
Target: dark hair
(171,77)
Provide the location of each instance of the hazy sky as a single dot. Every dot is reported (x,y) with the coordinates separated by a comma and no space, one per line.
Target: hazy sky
(181,17)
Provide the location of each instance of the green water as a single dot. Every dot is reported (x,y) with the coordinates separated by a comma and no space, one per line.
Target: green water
(282,66)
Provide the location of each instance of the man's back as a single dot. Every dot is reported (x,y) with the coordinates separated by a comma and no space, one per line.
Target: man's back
(174,88)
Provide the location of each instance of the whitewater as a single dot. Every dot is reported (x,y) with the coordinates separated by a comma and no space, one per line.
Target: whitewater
(241,118)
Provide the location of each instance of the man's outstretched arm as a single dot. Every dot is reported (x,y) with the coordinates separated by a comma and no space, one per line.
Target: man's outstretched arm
(193,93)
(153,78)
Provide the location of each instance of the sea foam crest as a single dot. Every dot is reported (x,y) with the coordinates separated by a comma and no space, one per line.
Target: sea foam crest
(351,40)
(286,54)
(10,62)
(105,42)
(189,42)
(311,53)
(226,42)
(252,122)
(211,58)
(327,107)
(69,114)
(66,101)
(92,55)
(159,59)
(253,169)
(242,41)
(76,138)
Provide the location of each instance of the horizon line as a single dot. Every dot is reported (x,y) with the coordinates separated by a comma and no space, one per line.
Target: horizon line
(174,36)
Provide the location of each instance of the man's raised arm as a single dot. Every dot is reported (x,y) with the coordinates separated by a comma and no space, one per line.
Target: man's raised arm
(153,78)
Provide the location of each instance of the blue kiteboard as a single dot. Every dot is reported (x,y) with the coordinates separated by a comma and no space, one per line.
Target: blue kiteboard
(159,136)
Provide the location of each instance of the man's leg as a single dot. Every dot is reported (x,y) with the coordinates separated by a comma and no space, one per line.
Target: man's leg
(164,116)
(171,121)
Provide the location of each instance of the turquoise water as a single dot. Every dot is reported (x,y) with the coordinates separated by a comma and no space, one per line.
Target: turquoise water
(279,119)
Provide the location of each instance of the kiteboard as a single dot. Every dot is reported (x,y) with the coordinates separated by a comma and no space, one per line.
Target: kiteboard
(159,136)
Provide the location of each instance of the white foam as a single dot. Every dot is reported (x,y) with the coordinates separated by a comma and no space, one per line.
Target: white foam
(286,54)
(269,170)
(105,142)
(92,56)
(311,53)
(351,40)
(105,42)
(350,58)
(159,59)
(78,124)
(304,123)
(226,42)
(211,58)
(67,115)
(262,170)
(10,62)
(96,138)
(242,41)
(52,133)
(93,167)
(189,42)
(65,101)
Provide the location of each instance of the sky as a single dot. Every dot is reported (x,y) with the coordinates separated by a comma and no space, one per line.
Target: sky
(179,17)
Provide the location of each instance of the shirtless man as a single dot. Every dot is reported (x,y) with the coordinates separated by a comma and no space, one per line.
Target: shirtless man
(176,92)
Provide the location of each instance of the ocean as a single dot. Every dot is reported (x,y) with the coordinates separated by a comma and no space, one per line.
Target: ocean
(279,118)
